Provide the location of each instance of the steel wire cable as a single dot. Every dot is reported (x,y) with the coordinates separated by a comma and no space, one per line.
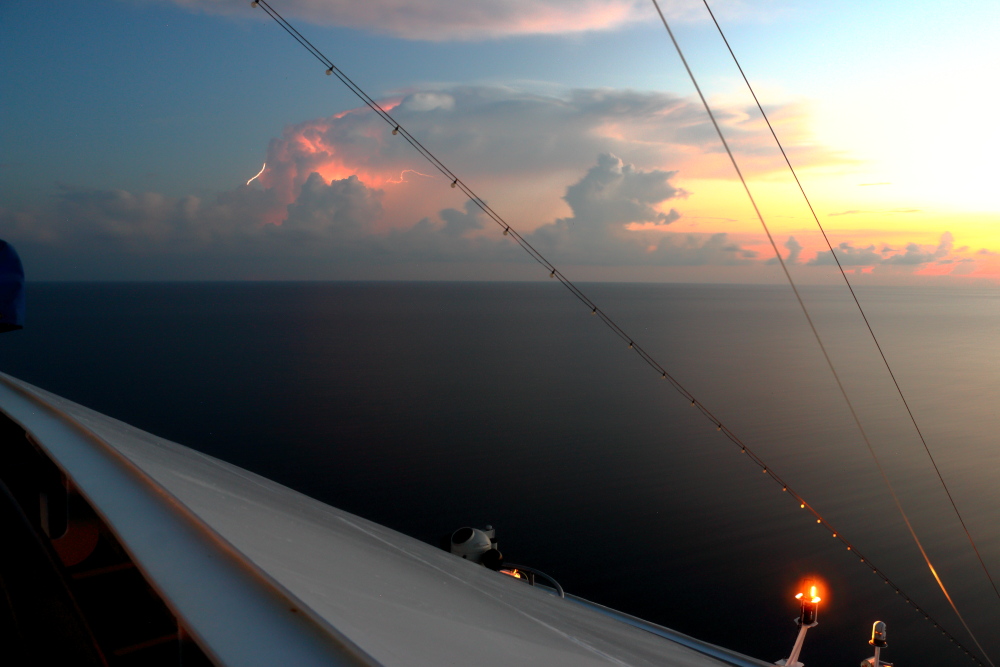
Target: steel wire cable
(854,296)
(554,272)
(815,331)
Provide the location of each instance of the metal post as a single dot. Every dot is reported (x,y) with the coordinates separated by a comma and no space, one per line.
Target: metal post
(793,659)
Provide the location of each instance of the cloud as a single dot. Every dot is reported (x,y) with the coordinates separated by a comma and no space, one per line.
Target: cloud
(794,252)
(857,212)
(474,20)
(579,172)
(848,256)
(495,132)
(913,255)
(608,202)
(457,223)
(917,254)
(332,225)
(342,207)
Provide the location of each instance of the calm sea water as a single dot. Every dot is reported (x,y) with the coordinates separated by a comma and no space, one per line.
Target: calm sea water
(428,406)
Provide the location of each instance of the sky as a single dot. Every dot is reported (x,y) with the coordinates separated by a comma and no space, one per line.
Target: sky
(132,129)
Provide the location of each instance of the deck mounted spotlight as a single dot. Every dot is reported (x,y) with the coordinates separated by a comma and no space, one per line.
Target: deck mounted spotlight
(878,641)
(809,610)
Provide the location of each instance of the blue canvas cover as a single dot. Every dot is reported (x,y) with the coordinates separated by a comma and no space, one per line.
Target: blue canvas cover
(11,289)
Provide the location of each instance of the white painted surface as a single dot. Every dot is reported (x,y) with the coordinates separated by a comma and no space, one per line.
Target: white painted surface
(402,601)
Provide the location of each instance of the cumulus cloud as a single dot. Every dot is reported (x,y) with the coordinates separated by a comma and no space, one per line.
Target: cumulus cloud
(341,191)
(336,223)
(611,198)
(912,255)
(794,251)
(495,131)
(343,207)
(848,256)
(472,20)
(917,254)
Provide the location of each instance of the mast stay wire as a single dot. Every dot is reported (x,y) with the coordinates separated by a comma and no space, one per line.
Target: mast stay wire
(854,296)
(812,325)
(554,272)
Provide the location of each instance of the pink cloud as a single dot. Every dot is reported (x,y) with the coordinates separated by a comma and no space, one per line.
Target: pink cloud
(440,20)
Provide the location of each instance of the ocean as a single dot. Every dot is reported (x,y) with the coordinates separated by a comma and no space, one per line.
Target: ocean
(430,406)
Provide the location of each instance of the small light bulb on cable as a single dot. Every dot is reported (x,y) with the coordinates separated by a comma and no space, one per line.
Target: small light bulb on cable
(718,427)
(819,520)
(630,345)
(803,506)
(765,471)
(663,377)
(593,311)
(692,401)
(553,274)
(784,488)
(506,231)
(254,3)
(395,130)
(454,183)
(329,71)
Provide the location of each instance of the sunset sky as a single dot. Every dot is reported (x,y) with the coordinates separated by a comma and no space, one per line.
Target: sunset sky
(130,130)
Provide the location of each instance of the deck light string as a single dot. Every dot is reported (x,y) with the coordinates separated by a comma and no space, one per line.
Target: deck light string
(554,272)
(854,296)
(815,331)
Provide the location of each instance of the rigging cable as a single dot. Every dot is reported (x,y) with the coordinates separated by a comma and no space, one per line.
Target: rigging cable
(812,326)
(554,272)
(854,296)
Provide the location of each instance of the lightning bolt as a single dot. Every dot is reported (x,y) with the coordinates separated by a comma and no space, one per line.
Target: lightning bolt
(403,180)
(258,174)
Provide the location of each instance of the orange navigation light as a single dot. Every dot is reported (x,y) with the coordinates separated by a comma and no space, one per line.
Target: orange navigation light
(809,603)
(810,606)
